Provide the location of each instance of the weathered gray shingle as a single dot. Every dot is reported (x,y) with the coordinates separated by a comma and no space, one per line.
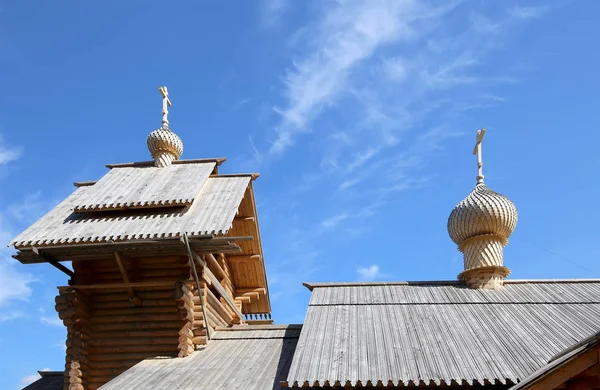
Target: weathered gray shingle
(434,333)
(146,186)
(239,359)
(212,212)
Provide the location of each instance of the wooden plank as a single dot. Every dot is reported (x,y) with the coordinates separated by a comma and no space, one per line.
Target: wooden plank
(118,285)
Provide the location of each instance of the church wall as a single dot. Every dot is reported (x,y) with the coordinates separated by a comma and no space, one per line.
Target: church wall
(111,329)
(109,332)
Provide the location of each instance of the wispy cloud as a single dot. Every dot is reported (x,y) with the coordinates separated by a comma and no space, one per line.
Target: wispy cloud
(8,153)
(381,83)
(9,316)
(52,321)
(333,221)
(14,285)
(271,12)
(239,104)
(29,379)
(370,273)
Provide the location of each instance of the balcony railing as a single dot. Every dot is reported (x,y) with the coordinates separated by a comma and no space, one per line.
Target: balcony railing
(257,317)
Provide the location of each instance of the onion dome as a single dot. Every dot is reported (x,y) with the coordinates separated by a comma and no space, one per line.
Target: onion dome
(482,212)
(164,146)
(480,225)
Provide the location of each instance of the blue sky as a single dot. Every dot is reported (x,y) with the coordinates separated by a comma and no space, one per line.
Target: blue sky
(360,115)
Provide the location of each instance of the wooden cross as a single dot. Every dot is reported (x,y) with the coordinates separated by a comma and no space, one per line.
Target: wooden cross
(477,151)
(166,103)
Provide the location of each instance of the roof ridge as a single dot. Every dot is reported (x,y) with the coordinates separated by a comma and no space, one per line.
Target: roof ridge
(245,328)
(454,303)
(217,160)
(312,285)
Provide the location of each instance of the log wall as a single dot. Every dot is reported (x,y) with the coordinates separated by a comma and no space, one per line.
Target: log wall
(110,330)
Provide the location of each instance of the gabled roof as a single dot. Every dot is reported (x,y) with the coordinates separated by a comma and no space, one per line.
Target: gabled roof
(431,333)
(214,206)
(241,357)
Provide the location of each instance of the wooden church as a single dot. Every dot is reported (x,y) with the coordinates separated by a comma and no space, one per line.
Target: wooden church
(168,290)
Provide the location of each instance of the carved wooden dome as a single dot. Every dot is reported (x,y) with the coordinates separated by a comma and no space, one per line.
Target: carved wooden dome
(482,212)
(165,146)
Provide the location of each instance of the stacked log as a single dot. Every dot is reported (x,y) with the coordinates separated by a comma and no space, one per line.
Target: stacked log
(217,313)
(109,331)
(123,334)
(73,309)
(198,325)
(185,306)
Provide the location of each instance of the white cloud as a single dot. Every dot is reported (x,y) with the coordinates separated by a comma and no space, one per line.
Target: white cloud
(530,12)
(370,273)
(333,221)
(12,315)
(8,153)
(29,379)
(367,76)
(52,321)
(14,285)
(347,34)
(394,68)
(271,12)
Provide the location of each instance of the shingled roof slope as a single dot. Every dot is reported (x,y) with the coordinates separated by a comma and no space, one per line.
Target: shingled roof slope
(243,357)
(211,212)
(431,333)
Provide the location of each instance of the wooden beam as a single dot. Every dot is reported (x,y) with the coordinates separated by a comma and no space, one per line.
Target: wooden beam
(242,291)
(217,285)
(243,299)
(244,219)
(53,262)
(567,370)
(132,297)
(253,176)
(214,265)
(244,258)
(119,286)
(83,183)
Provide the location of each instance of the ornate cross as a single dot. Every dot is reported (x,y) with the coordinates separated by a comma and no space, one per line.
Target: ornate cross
(477,151)
(166,103)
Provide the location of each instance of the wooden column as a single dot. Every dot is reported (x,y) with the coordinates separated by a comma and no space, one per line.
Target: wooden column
(73,309)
